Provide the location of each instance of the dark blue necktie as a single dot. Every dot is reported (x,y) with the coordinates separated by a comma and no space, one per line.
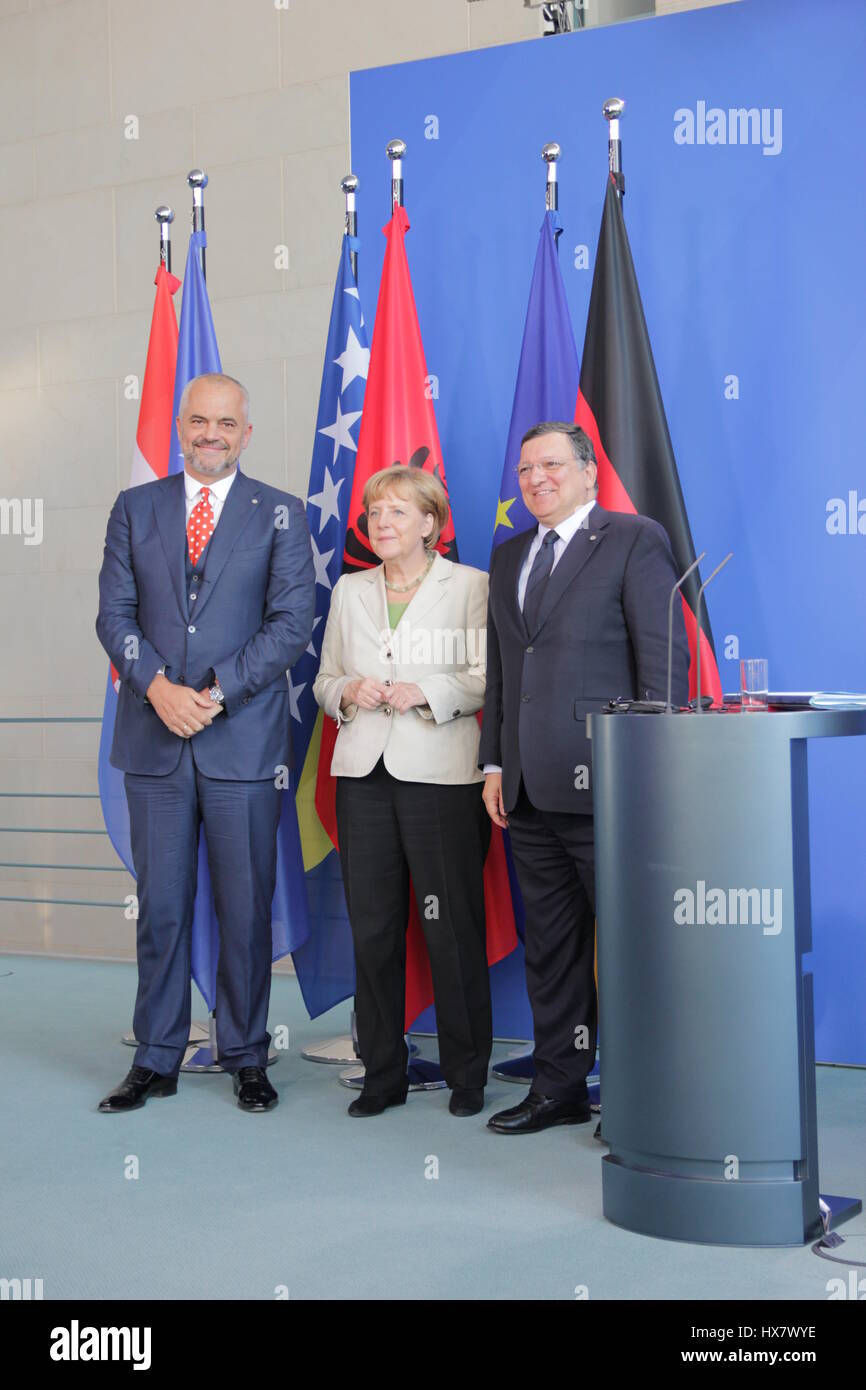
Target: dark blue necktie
(537,582)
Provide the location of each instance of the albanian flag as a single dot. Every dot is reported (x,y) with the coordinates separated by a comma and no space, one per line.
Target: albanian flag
(398,426)
(619,405)
(399,423)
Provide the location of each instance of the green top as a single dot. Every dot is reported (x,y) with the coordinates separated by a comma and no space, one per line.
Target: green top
(395,613)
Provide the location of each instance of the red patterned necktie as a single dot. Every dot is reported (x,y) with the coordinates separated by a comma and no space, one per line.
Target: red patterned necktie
(199,528)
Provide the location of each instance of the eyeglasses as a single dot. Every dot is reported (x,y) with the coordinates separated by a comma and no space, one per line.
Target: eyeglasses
(524,470)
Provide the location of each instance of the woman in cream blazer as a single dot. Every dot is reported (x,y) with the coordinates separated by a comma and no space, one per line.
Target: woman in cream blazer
(402,673)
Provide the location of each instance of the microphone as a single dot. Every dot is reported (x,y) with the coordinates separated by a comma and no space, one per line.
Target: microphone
(674,591)
(699,710)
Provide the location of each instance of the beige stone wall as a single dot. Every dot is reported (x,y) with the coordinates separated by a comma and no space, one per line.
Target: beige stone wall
(258,96)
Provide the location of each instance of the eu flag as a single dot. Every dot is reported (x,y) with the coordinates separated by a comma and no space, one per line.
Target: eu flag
(197,353)
(547,385)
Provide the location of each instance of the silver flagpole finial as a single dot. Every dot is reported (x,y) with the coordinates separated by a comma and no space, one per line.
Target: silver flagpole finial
(164,216)
(395,151)
(350,184)
(612,111)
(550,154)
(197,180)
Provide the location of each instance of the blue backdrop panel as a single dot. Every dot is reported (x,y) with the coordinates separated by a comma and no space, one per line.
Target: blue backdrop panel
(750,261)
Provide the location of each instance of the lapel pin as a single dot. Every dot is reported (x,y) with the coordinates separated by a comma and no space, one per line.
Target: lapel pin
(255,500)
(592,538)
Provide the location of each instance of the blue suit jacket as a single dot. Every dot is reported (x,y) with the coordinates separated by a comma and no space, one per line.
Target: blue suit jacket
(602,634)
(251,619)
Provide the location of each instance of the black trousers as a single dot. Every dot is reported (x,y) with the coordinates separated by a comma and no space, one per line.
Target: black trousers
(554,855)
(391,831)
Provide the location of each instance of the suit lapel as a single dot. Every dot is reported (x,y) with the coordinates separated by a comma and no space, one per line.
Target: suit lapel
(241,503)
(170,513)
(579,551)
(431,591)
(512,564)
(372,595)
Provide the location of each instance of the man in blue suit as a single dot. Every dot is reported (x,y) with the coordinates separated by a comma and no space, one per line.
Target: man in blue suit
(206,598)
(577,616)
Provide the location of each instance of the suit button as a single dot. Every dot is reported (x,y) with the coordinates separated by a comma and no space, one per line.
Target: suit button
(190,628)
(181,680)
(530,650)
(389,656)
(388,709)
(454,713)
(192,596)
(245,700)
(526,699)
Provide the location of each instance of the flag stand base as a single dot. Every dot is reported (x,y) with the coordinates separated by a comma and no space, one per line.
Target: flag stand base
(423,1074)
(199,1054)
(198,1033)
(199,1057)
(333,1052)
(342,1051)
(518,1067)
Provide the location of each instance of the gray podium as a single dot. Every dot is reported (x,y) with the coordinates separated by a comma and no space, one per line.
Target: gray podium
(705,1013)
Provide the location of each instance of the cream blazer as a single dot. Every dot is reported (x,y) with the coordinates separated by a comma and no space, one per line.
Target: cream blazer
(439,645)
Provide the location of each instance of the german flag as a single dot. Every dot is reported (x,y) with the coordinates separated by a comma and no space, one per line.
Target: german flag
(619,405)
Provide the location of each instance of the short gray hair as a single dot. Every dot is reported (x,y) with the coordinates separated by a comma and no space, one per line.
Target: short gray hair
(215,376)
(581,444)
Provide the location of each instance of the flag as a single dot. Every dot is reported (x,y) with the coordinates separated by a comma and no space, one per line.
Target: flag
(197,352)
(546,389)
(149,461)
(547,375)
(399,426)
(325,962)
(620,408)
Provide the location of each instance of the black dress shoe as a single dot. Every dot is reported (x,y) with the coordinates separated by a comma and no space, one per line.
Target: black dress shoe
(253,1089)
(365,1105)
(466,1100)
(539,1112)
(135,1089)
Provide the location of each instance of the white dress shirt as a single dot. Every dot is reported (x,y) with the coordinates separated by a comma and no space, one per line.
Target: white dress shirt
(218,493)
(564,531)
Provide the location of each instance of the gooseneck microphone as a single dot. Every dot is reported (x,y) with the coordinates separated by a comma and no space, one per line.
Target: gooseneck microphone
(674,592)
(698,630)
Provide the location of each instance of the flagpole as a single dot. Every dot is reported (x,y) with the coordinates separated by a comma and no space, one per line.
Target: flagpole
(550,154)
(350,185)
(205,1058)
(198,181)
(423,1075)
(396,150)
(613,109)
(343,1050)
(164,216)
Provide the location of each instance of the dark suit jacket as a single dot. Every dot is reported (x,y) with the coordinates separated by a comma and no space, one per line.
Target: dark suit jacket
(251,619)
(602,634)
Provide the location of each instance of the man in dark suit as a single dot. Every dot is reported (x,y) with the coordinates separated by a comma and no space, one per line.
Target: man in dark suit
(206,598)
(577,616)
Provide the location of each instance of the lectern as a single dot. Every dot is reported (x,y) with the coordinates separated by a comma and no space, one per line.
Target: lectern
(705,1012)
